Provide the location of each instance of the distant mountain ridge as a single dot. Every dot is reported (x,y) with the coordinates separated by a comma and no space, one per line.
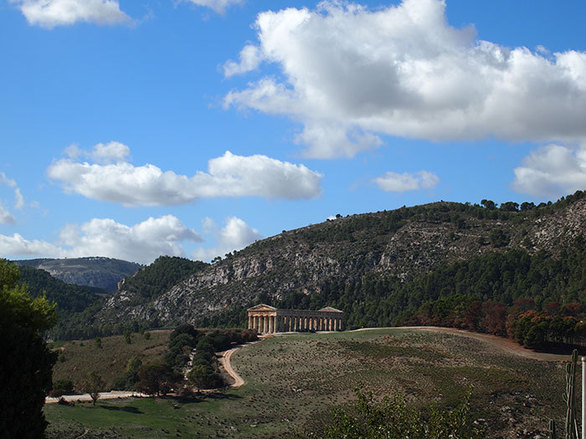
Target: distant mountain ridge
(98,272)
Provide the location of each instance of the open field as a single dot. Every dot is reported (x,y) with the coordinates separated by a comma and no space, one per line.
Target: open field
(77,359)
(292,381)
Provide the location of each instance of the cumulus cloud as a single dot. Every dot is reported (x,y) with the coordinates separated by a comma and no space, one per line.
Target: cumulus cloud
(235,235)
(141,242)
(552,171)
(351,74)
(394,182)
(218,6)
(228,176)
(52,13)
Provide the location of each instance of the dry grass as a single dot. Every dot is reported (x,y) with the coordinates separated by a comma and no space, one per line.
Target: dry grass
(77,359)
(294,380)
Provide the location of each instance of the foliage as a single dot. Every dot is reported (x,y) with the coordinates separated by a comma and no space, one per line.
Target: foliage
(203,376)
(395,419)
(159,276)
(157,379)
(69,298)
(93,385)
(25,371)
(130,378)
(62,387)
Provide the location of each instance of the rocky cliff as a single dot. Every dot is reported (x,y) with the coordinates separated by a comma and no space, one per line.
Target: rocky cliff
(398,244)
(98,272)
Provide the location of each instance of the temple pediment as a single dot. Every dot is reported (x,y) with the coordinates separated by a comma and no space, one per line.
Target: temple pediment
(262,307)
(330,309)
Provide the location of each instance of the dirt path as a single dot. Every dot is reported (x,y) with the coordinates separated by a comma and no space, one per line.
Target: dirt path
(501,343)
(227,365)
(224,359)
(103,395)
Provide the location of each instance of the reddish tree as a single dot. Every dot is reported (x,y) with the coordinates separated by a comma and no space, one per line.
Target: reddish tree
(493,319)
(552,308)
(573,309)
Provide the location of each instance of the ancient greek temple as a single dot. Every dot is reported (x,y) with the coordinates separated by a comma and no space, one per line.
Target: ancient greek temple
(267,319)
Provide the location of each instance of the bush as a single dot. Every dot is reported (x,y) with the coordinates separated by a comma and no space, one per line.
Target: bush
(395,419)
(62,387)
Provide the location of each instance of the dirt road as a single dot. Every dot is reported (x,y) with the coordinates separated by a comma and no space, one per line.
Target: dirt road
(227,365)
(103,395)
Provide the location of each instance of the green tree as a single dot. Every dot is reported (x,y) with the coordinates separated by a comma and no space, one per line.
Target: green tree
(488,204)
(26,365)
(203,376)
(93,385)
(157,379)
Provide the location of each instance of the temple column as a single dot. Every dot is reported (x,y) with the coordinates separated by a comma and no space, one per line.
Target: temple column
(340,325)
(249,321)
(335,324)
(265,324)
(271,324)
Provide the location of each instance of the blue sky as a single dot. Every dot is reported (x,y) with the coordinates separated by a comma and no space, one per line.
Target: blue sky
(133,129)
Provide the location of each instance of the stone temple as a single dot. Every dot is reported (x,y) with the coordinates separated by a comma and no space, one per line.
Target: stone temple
(267,319)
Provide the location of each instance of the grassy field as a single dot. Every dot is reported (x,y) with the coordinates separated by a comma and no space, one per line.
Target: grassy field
(77,359)
(293,381)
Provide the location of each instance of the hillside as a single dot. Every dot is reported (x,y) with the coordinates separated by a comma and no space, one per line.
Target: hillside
(69,298)
(292,382)
(358,262)
(99,272)
(145,285)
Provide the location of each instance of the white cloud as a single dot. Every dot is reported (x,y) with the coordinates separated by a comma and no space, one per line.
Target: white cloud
(52,13)
(235,235)
(5,216)
(227,176)
(111,152)
(552,171)
(350,74)
(394,182)
(219,6)
(250,59)
(141,242)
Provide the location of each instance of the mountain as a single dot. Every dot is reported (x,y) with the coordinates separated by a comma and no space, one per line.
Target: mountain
(365,264)
(145,285)
(69,298)
(99,272)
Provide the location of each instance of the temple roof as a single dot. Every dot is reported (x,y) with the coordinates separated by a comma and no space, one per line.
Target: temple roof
(330,309)
(262,307)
